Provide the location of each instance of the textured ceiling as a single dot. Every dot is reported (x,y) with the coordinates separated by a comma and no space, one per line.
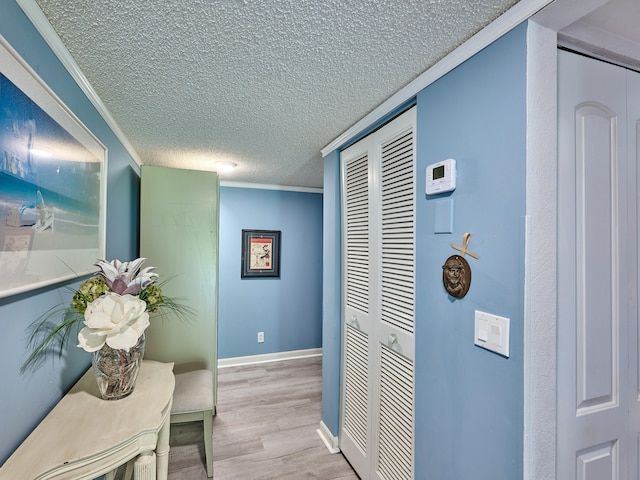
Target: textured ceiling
(264,83)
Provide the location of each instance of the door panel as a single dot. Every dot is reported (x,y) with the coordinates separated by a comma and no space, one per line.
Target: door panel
(396,413)
(356,399)
(597,257)
(595,244)
(395,329)
(356,411)
(598,462)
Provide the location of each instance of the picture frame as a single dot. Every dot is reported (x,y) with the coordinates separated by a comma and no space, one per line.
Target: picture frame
(260,253)
(52,184)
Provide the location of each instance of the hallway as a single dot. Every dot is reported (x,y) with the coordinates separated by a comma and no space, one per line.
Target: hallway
(265,428)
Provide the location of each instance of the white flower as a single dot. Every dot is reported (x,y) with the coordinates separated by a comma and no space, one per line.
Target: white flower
(117,320)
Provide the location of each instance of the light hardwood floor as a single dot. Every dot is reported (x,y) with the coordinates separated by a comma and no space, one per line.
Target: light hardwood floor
(265,428)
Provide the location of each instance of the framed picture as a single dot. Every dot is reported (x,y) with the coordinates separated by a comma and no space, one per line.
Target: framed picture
(260,253)
(52,184)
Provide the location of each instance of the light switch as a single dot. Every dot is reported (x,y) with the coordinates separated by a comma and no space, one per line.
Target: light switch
(482,332)
(492,332)
(496,334)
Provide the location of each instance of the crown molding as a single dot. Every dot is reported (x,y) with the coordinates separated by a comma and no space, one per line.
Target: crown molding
(264,186)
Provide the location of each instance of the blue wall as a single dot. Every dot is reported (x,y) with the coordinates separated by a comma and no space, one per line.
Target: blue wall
(468,401)
(332,294)
(26,399)
(469,420)
(287,309)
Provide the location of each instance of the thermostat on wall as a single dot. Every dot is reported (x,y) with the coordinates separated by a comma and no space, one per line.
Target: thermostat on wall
(441,177)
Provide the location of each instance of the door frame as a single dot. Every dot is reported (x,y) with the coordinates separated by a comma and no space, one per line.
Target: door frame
(540,304)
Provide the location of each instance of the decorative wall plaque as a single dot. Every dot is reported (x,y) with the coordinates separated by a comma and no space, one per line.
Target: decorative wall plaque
(456,276)
(456,272)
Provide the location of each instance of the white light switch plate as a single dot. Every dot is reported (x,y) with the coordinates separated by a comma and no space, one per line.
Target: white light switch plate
(492,332)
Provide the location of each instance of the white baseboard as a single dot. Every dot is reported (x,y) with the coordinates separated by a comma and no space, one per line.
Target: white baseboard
(268,357)
(329,440)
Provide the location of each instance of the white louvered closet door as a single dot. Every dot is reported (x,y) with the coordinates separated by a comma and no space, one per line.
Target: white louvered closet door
(377,407)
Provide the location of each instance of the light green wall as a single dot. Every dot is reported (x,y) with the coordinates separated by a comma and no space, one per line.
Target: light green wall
(179,236)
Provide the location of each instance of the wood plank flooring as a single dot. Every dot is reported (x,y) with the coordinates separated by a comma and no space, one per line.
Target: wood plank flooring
(265,428)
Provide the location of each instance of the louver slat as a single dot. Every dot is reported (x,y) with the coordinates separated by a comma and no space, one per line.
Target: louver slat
(357,227)
(398,233)
(356,385)
(395,455)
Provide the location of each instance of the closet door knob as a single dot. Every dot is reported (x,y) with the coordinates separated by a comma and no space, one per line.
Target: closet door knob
(393,340)
(355,322)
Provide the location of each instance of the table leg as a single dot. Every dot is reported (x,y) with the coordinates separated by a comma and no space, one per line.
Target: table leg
(128,472)
(145,467)
(162,451)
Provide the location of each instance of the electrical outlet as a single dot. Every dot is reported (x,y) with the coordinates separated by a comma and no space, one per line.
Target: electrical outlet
(260,337)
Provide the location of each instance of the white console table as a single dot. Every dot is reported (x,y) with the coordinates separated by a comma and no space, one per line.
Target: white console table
(84,436)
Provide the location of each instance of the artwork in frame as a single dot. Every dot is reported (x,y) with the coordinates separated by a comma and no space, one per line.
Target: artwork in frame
(260,253)
(52,184)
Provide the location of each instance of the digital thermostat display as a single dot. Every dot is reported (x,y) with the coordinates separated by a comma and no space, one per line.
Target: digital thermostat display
(441,177)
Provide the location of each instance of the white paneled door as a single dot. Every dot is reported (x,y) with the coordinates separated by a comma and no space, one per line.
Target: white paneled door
(377,396)
(598,409)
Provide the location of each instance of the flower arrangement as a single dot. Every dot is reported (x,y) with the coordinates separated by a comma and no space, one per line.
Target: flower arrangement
(112,308)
